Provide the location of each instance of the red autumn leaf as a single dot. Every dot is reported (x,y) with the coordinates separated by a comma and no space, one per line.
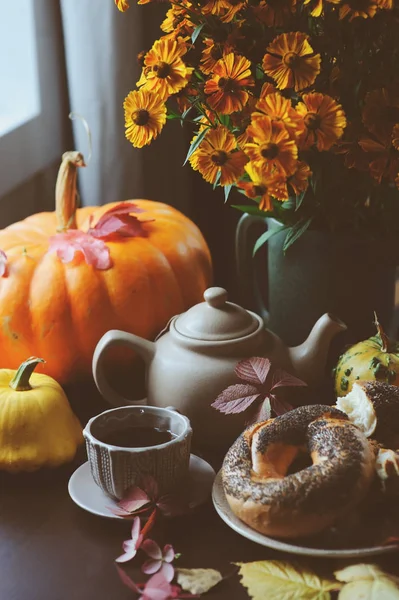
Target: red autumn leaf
(280,406)
(95,252)
(119,219)
(236,398)
(254,370)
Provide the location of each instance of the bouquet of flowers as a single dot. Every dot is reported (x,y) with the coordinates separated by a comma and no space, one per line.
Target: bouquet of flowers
(294,103)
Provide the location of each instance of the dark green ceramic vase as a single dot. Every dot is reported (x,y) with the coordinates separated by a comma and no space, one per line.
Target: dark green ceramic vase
(350,276)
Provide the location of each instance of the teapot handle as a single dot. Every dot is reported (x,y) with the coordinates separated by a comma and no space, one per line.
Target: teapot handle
(111,338)
(245,263)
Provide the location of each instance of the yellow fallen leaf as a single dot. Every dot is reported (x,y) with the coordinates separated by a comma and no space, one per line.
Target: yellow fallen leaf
(198,581)
(367,582)
(279,580)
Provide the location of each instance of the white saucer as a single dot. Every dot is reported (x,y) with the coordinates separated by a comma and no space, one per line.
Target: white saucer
(224,511)
(86,493)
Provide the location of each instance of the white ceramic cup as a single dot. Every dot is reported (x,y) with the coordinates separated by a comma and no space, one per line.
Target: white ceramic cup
(117,468)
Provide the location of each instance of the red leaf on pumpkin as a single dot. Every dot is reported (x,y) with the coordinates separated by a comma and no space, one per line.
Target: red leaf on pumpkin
(236,398)
(95,252)
(254,370)
(119,220)
(3,263)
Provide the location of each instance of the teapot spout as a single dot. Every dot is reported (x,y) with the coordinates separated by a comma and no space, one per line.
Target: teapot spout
(309,359)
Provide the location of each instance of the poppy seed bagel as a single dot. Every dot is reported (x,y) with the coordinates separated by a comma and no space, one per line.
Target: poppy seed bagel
(262,494)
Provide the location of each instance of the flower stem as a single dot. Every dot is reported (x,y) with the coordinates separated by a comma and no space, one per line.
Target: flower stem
(65,190)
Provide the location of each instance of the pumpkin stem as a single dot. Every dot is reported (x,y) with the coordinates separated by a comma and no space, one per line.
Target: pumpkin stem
(65,190)
(386,344)
(20,381)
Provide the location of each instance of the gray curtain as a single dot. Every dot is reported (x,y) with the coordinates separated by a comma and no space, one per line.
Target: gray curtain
(101,46)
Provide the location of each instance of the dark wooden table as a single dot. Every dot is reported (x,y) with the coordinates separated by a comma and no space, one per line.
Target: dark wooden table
(50,549)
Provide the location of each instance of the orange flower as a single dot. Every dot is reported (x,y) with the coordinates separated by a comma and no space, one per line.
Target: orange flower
(264,187)
(280,109)
(164,72)
(274,13)
(123,5)
(145,115)
(324,121)
(231,74)
(212,54)
(234,7)
(385,160)
(267,88)
(214,7)
(299,180)
(357,8)
(381,111)
(186,97)
(176,21)
(218,154)
(291,62)
(271,147)
(395,136)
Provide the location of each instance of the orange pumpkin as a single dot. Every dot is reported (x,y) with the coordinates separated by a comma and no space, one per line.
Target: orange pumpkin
(59,311)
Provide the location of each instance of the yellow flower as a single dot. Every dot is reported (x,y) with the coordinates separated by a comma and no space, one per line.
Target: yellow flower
(317,7)
(271,148)
(164,72)
(395,136)
(212,54)
(145,115)
(216,154)
(267,88)
(225,89)
(280,109)
(291,62)
(299,180)
(274,13)
(324,121)
(381,111)
(214,7)
(123,5)
(264,186)
(176,21)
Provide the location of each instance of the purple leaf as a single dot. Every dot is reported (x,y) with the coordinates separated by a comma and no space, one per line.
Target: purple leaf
(264,412)
(254,370)
(236,398)
(280,406)
(281,378)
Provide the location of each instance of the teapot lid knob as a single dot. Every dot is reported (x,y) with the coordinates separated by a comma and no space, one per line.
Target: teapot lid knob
(215,297)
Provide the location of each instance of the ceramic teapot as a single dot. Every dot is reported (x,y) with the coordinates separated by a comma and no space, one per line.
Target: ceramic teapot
(193,360)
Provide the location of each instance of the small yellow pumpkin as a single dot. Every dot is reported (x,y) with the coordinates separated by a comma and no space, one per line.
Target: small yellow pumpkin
(375,359)
(37,425)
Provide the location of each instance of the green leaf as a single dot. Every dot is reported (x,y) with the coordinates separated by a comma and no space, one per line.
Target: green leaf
(172,115)
(196,32)
(227,190)
(196,142)
(216,183)
(185,113)
(250,210)
(295,233)
(225,120)
(280,580)
(299,200)
(265,237)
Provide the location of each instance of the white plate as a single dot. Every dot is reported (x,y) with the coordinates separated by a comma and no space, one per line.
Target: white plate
(86,493)
(224,511)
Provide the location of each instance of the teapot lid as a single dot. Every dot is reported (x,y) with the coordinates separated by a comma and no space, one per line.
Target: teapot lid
(216,319)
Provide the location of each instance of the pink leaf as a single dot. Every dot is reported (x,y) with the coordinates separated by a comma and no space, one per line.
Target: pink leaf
(152,549)
(151,566)
(281,378)
(127,581)
(3,263)
(254,370)
(119,220)
(236,398)
(134,499)
(95,252)
(157,588)
(280,406)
